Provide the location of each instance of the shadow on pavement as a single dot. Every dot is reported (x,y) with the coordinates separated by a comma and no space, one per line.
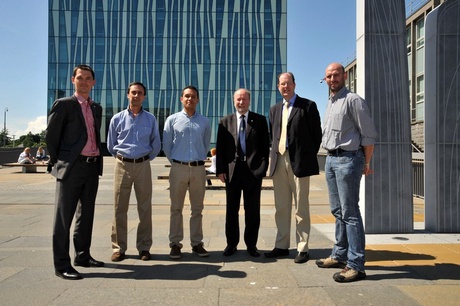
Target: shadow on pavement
(179,271)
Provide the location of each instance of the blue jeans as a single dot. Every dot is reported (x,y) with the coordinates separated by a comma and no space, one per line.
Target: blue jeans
(343,176)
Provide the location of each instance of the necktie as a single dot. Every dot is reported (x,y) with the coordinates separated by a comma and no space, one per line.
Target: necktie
(283,136)
(242,139)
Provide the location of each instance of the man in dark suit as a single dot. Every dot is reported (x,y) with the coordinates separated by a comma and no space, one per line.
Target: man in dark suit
(242,162)
(74,145)
(296,136)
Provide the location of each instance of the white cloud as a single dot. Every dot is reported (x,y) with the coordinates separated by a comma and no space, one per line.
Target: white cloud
(35,127)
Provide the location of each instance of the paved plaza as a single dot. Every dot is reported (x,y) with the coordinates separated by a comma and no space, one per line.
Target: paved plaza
(420,268)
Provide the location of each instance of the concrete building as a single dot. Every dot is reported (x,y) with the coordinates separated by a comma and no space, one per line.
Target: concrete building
(416,11)
(217,46)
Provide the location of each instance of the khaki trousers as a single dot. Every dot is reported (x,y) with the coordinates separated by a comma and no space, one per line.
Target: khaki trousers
(288,187)
(125,176)
(181,179)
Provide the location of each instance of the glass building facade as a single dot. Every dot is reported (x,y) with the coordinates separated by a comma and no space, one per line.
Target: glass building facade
(216,45)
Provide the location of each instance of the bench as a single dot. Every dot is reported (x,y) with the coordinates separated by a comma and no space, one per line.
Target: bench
(27,168)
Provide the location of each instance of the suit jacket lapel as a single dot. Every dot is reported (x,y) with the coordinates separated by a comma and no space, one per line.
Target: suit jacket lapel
(278,117)
(249,124)
(79,110)
(294,110)
(233,126)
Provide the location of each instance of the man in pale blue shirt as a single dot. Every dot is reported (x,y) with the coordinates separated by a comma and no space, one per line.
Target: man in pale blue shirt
(134,140)
(186,139)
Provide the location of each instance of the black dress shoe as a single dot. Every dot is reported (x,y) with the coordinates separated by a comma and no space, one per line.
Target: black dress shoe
(68,273)
(277,253)
(253,252)
(91,262)
(229,251)
(302,257)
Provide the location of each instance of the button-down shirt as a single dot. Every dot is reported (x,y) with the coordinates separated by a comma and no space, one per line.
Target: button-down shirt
(134,136)
(347,122)
(90,148)
(186,138)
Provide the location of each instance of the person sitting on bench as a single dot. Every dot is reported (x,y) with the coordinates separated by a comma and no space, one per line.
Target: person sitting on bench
(212,169)
(25,157)
(41,155)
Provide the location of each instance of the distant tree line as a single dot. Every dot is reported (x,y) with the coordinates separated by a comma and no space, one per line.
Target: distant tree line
(29,140)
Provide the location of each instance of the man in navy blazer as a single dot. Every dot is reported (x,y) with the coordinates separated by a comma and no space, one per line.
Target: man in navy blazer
(293,159)
(74,144)
(242,161)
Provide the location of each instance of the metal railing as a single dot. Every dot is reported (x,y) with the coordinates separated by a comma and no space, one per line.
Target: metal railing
(418,178)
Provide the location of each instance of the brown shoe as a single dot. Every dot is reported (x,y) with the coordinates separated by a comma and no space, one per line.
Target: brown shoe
(330,263)
(175,252)
(117,256)
(348,275)
(145,255)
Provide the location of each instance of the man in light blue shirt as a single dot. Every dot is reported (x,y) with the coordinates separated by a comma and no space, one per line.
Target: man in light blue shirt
(134,140)
(186,139)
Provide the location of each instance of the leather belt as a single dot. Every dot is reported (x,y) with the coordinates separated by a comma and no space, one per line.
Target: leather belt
(130,160)
(335,152)
(190,164)
(339,151)
(241,158)
(88,159)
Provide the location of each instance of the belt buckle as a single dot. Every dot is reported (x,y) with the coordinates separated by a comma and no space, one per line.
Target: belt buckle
(139,160)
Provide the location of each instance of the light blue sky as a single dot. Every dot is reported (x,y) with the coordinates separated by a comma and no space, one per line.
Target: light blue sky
(319,32)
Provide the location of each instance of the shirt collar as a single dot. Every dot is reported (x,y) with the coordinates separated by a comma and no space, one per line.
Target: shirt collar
(238,115)
(291,101)
(185,113)
(339,94)
(81,99)
(127,108)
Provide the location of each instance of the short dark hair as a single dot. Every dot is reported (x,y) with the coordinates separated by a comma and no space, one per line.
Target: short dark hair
(136,83)
(192,88)
(290,73)
(83,67)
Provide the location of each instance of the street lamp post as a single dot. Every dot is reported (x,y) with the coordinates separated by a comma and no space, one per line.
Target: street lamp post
(4,127)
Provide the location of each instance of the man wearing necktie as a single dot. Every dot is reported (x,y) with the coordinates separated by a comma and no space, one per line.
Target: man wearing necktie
(242,162)
(296,136)
(74,144)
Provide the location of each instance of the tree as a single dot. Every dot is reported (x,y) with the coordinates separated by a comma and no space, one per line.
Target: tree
(4,139)
(30,140)
(43,138)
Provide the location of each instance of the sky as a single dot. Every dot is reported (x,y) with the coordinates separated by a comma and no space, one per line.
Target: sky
(319,32)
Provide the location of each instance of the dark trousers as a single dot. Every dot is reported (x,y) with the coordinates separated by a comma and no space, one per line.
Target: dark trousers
(243,181)
(75,195)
